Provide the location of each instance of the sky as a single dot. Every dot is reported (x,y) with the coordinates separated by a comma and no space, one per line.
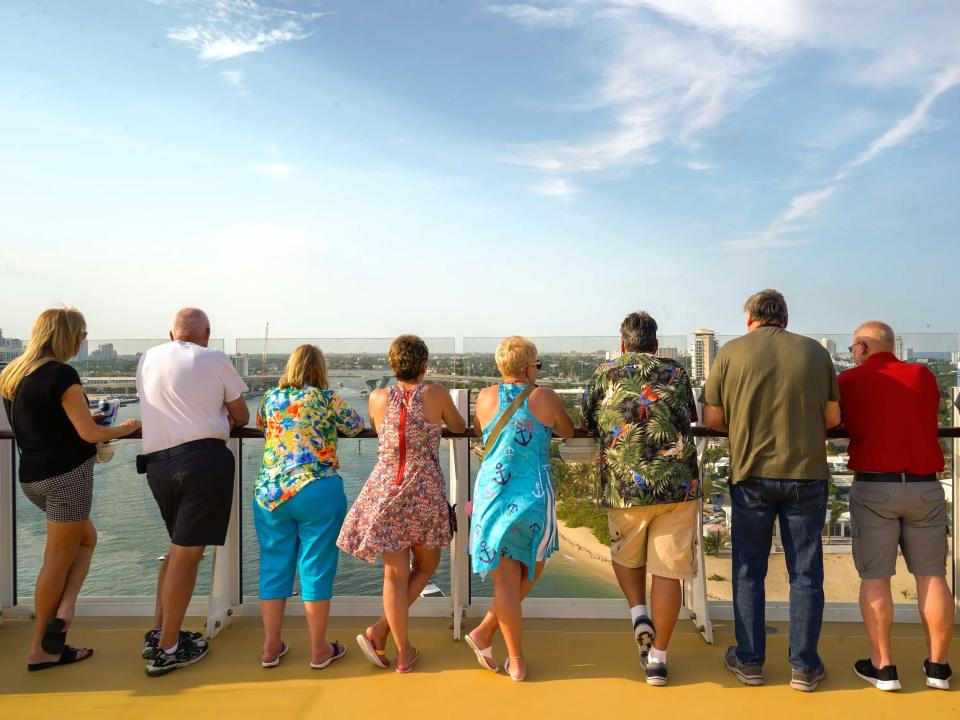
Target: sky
(363,168)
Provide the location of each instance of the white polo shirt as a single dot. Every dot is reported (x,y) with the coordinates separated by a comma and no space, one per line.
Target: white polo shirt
(182,389)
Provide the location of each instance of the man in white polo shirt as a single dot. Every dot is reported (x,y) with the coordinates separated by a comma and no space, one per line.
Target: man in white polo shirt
(190,398)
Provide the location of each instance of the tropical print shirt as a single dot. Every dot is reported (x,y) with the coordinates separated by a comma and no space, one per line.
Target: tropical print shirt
(300,427)
(641,407)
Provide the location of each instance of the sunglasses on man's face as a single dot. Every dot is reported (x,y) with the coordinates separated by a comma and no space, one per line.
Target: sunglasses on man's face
(537,364)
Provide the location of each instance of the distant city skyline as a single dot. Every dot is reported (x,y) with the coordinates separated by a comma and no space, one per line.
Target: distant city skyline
(344,169)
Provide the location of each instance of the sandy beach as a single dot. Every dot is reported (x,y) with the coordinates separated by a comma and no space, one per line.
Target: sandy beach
(841,582)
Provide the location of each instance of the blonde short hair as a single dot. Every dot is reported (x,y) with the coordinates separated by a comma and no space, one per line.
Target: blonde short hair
(57,334)
(306,366)
(514,355)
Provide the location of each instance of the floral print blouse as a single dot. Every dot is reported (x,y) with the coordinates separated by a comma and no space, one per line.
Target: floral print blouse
(641,407)
(300,427)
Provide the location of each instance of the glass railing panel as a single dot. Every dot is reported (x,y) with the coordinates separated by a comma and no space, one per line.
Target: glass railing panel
(356,361)
(131,535)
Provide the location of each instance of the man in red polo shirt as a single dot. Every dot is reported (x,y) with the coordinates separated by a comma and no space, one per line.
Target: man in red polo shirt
(891,410)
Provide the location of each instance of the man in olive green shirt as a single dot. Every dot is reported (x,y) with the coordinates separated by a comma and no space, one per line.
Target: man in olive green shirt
(776,393)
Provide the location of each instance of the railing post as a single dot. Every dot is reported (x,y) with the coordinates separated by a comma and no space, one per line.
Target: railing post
(955,393)
(695,590)
(225,590)
(459,495)
(8,560)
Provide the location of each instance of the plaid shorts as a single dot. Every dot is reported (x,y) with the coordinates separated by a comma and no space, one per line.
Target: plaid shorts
(66,497)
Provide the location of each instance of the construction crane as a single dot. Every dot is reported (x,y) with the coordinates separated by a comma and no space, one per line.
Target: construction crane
(266,342)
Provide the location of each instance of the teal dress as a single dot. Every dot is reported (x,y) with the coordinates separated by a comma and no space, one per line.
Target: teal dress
(514,507)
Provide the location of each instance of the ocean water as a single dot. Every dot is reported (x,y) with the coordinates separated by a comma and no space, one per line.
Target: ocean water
(132,537)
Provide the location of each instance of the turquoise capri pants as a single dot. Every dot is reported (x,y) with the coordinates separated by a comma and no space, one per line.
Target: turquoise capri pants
(300,534)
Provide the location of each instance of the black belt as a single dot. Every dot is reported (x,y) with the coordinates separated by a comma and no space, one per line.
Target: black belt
(169,453)
(894,477)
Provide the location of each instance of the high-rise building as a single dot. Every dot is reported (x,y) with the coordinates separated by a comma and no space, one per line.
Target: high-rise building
(241,363)
(829,345)
(704,351)
(9,348)
(83,354)
(104,353)
(898,348)
(670,353)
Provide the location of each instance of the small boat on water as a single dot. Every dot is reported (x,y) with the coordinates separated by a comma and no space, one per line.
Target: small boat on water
(431,591)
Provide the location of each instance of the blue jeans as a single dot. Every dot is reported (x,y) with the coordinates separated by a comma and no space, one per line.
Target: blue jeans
(801,508)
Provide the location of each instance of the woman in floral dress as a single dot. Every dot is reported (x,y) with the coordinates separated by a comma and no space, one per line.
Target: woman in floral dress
(402,509)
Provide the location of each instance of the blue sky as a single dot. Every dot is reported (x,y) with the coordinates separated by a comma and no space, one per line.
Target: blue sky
(466,168)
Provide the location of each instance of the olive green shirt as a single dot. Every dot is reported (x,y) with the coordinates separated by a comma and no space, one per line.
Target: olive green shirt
(773,387)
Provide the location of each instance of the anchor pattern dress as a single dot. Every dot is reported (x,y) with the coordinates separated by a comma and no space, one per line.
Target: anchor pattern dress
(514,507)
(404,501)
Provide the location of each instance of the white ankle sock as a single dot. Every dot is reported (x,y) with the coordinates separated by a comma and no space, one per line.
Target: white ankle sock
(172,650)
(659,656)
(637,611)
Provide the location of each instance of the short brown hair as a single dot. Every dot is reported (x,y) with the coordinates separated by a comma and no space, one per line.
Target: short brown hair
(639,333)
(514,355)
(408,357)
(306,366)
(767,307)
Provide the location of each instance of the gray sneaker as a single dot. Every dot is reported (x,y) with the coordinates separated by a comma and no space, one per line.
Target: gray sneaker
(747,674)
(807,681)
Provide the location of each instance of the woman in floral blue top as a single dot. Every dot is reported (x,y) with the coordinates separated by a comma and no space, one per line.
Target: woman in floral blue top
(299,504)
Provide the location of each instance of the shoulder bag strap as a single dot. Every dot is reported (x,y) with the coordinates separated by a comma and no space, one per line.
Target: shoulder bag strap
(505,418)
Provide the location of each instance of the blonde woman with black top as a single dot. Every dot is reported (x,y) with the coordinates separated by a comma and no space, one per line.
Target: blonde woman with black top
(57,438)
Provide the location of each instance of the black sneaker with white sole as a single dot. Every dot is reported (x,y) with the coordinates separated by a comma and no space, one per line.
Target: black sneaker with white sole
(747,674)
(938,674)
(643,633)
(656,672)
(187,653)
(884,678)
(151,641)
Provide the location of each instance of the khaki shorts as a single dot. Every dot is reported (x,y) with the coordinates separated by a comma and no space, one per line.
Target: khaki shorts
(885,515)
(660,537)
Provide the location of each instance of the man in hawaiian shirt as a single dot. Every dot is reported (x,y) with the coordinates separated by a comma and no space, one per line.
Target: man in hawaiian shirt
(641,407)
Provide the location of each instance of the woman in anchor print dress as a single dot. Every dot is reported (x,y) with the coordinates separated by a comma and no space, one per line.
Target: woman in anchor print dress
(514,524)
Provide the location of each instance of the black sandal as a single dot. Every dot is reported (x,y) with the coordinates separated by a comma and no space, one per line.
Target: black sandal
(67,657)
(54,636)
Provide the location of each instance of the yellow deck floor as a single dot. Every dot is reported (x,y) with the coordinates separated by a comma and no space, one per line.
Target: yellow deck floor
(577,669)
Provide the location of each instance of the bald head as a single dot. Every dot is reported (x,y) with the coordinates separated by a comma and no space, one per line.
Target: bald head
(191,325)
(876,335)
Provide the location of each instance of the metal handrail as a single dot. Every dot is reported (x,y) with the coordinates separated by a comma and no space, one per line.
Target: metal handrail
(370,434)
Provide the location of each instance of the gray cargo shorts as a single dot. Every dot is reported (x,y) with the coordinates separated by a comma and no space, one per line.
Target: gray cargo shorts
(885,515)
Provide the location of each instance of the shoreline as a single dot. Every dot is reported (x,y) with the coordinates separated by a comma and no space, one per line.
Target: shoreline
(580,545)
(841,580)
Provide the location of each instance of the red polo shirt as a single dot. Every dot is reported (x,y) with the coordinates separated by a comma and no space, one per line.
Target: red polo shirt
(891,410)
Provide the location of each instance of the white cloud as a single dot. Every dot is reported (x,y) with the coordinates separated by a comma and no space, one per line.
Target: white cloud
(535,16)
(699,166)
(557,188)
(235,79)
(778,232)
(224,29)
(913,123)
(656,86)
(274,169)
(667,72)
